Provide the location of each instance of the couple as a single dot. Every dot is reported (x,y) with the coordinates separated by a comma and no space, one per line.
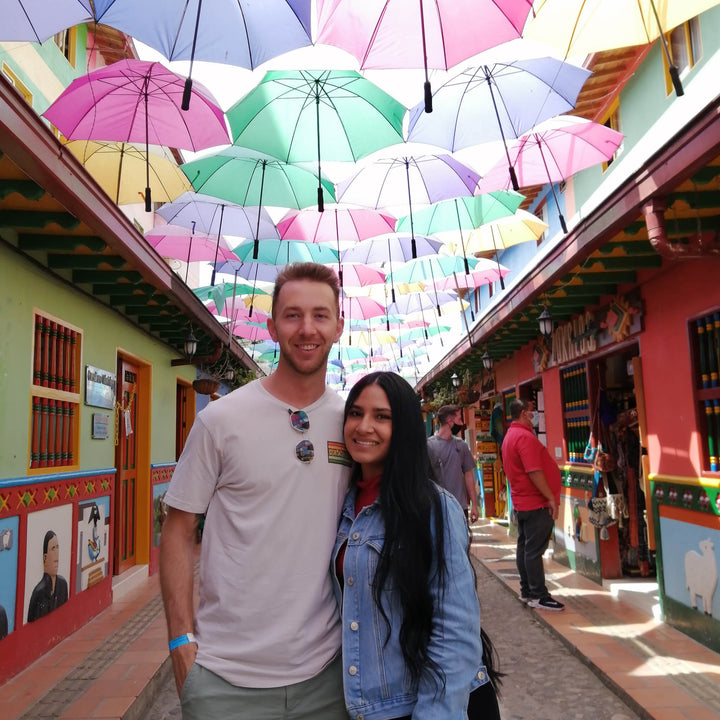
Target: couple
(270,464)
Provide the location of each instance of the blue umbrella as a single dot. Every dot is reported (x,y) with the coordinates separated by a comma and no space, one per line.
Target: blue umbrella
(245,33)
(38,20)
(493,102)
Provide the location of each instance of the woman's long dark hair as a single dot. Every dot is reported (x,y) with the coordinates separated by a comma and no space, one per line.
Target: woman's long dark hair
(409,502)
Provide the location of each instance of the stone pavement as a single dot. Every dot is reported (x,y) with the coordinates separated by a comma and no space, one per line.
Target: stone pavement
(603,658)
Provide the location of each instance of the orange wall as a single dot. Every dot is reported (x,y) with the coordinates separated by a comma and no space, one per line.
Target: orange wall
(687,289)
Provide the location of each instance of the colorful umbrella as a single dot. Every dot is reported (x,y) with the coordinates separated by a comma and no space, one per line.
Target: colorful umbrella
(284,252)
(552,152)
(463,213)
(393,182)
(214,215)
(419,33)
(521,227)
(351,116)
(121,170)
(180,243)
(38,20)
(497,102)
(237,32)
(137,101)
(582,27)
(350,224)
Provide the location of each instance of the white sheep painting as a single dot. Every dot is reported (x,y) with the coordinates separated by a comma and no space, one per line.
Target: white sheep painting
(701,575)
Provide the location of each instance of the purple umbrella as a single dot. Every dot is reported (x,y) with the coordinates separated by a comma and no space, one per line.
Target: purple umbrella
(497,102)
(137,101)
(393,182)
(38,20)
(245,33)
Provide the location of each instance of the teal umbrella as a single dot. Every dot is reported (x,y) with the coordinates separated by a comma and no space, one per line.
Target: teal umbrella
(462,213)
(284,252)
(306,115)
(253,181)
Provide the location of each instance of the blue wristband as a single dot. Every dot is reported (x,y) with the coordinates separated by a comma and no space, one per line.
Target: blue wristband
(181,640)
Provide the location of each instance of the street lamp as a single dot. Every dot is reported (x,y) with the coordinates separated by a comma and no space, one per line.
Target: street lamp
(545,321)
(455,380)
(190,344)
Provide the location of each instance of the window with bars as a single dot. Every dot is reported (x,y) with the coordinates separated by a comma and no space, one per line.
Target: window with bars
(55,394)
(705,334)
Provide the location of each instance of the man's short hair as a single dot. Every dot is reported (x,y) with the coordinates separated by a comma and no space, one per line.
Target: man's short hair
(447,411)
(517,407)
(307,271)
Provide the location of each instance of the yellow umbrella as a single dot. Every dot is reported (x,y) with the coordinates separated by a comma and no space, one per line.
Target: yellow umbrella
(121,171)
(521,227)
(582,27)
(262,302)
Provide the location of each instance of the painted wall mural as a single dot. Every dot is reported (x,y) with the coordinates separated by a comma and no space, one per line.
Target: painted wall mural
(8,573)
(691,560)
(48,561)
(93,537)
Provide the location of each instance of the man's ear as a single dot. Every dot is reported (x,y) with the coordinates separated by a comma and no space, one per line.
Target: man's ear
(271,329)
(340,327)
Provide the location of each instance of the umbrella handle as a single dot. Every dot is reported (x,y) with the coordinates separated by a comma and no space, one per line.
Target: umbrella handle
(187,92)
(321,201)
(428,97)
(513,178)
(148,200)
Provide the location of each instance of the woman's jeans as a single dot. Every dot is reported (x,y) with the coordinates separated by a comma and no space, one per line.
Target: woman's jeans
(535,528)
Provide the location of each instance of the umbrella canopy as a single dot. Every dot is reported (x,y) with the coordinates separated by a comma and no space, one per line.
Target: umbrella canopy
(177,242)
(349,224)
(121,170)
(137,101)
(345,112)
(552,152)
(284,252)
(419,33)
(255,181)
(38,20)
(484,272)
(236,32)
(582,27)
(214,215)
(496,102)
(407,181)
(430,269)
(394,247)
(521,227)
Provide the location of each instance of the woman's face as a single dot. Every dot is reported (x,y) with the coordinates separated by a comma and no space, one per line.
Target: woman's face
(52,557)
(368,430)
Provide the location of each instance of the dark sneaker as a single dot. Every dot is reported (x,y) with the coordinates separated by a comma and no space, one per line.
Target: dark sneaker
(546,603)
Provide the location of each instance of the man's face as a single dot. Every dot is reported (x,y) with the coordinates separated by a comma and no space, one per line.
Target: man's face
(526,417)
(305,323)
(52,557)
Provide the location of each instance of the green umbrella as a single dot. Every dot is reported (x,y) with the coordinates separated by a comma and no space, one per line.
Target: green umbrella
(252,181)
(303,115)
(219,293)
(462,213)
(284,252)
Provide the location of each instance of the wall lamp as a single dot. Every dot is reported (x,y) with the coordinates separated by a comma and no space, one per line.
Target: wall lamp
(190,344)
(487,361)
(455,380)
(545,322)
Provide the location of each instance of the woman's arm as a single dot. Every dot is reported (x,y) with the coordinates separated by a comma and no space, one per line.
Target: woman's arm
(455,643)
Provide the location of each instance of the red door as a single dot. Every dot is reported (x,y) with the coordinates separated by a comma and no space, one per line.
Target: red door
(126,462)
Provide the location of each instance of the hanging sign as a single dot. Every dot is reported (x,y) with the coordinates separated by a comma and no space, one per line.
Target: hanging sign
(99,387)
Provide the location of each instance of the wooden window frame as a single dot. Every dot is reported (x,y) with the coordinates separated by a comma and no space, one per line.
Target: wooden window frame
(689,31)
(611,119)
(17,83)
(55,392)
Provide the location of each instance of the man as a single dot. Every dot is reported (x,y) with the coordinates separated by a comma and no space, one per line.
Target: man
(268,466)
(535,491)
(451,460)
(52,590)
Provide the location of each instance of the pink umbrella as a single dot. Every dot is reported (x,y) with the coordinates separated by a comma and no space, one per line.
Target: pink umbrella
(359,275)
(138,101)
(251,332)
(179,243)
(419,33)
(552,152)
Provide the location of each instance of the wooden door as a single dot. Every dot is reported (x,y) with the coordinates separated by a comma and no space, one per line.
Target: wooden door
(181,418)
(126,462)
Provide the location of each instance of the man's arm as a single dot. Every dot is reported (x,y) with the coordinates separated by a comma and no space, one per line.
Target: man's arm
(176,582)
(470,488)
(538,480)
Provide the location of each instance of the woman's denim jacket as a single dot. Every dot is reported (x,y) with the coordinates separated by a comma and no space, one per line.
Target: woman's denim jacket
(376,681)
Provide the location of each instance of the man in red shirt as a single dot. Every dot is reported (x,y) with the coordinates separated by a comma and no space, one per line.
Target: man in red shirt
(535,491)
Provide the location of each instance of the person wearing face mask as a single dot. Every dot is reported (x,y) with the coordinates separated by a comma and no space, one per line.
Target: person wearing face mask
(452,463)
(535,482)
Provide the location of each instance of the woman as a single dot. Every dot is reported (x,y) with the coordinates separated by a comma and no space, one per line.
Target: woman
(411,638)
